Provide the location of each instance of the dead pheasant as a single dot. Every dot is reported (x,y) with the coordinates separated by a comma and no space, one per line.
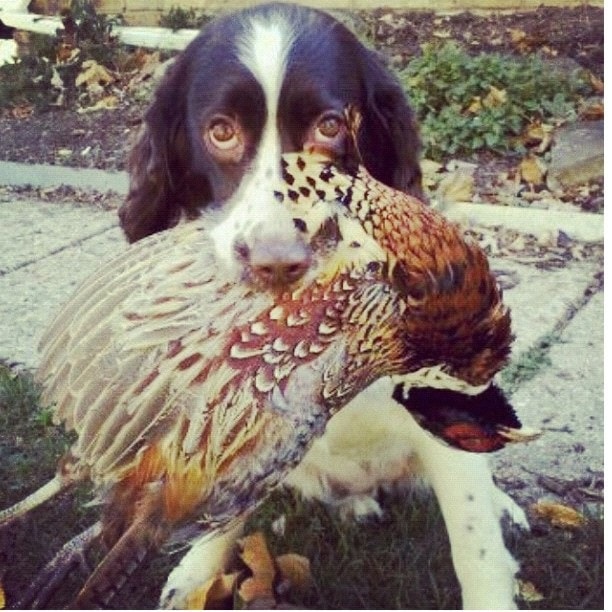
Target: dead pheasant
(192,396)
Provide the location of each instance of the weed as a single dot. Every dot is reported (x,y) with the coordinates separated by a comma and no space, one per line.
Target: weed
(95,33)
(177,19)
(566,566)
(29,445)
(466,103)
(29,80)
(529,363)
(402,562)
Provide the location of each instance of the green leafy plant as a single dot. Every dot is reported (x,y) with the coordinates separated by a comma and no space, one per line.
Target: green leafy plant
(29,80)
(466,103)
(39,76)
(95,37)
(177,18)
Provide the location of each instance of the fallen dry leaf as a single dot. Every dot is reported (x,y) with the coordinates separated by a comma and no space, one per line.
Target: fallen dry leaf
(66,54)
(516,35)
(521,40)
(431,172)
(475,105)
(93,73)
(2,598)
(596,83)
(22,111)
(528,592)
(257,558)
(549,51)
(442,33)
(495,97)
(593,111)
(214,594)
(295,569)
(559,515)
(147,64)
(106,103)
(532,170)
(457,186)
(539,135)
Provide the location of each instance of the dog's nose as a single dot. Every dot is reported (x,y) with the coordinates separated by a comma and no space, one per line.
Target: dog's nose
(278,263)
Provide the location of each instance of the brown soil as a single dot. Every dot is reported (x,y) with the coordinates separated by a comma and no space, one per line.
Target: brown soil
(101,139)
(573,33)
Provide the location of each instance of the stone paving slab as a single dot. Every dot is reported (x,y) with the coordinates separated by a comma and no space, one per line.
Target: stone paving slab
(32,291)
(566,400)
(584,227)
(30,231)
(541,297)
(45,175)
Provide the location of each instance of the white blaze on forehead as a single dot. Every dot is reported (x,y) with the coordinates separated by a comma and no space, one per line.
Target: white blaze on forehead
(264,49)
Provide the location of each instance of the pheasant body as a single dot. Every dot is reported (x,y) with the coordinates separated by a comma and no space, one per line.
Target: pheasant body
(192,396)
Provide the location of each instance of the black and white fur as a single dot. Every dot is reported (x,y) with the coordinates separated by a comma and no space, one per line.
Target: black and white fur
(251,86)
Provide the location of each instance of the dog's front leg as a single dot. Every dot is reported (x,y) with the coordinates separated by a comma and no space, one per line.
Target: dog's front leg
(207,557)
(467,495)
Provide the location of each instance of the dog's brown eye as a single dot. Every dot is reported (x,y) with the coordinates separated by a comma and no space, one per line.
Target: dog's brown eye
(225,139)
(327,135)
(224,134)
(329,127)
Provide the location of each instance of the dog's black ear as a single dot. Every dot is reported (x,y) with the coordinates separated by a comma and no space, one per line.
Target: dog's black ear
(389,138)
(162,188)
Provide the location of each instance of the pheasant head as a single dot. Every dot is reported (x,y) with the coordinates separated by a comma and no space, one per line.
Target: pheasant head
(451,333)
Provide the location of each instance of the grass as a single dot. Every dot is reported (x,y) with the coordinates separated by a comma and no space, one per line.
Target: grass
(529,363)
(401,562)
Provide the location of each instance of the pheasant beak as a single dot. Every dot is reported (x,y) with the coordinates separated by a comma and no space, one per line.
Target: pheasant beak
(525,434)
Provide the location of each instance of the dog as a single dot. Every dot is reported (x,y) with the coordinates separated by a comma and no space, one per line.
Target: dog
(252,85)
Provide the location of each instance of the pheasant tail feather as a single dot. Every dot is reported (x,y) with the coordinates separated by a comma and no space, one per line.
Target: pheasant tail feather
(119,564)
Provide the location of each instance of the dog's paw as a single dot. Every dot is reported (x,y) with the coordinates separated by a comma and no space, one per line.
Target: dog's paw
(360,508)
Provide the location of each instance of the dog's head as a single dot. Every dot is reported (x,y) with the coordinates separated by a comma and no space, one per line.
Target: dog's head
(255,84)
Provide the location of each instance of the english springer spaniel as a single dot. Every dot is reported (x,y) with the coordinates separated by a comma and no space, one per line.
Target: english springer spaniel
(255,84)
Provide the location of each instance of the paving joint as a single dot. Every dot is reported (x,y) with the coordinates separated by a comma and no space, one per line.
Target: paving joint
(594,286)
(56,251)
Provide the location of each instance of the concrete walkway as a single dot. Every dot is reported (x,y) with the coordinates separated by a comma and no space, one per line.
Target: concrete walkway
(49,248)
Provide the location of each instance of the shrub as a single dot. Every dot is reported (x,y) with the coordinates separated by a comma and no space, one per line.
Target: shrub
(29,80)
(466,103)
(39,77)
(177,18)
